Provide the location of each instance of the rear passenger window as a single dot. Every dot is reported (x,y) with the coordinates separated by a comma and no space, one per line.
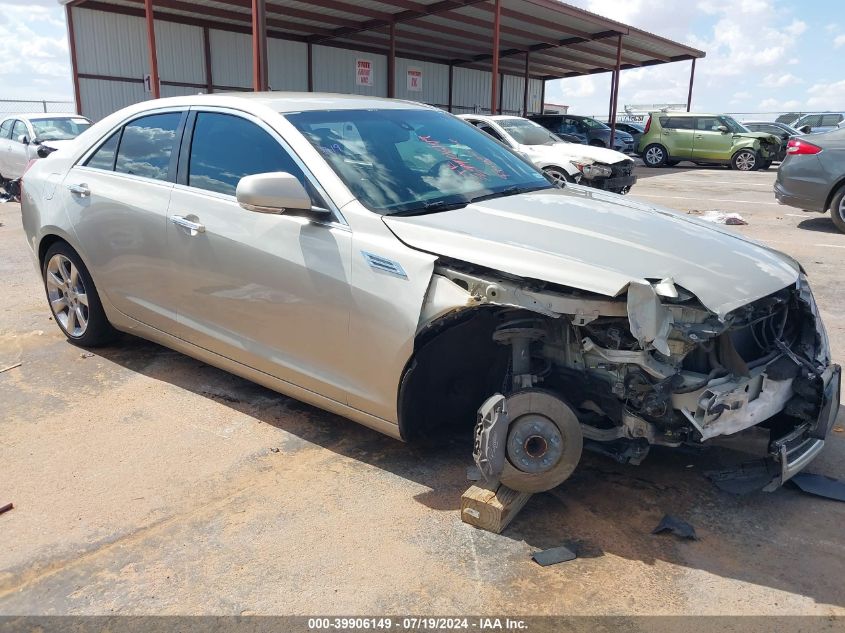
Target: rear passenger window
(225,148)
(6,129)
(147,145)
(490,131)
(678,123)
(104,157)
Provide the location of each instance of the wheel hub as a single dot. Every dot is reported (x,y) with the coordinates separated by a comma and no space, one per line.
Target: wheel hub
(535,444)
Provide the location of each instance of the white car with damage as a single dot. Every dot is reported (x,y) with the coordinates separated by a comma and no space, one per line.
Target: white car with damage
(562,162)
(385,261)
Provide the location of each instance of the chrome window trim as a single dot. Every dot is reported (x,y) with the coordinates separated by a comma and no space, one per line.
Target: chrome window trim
(339,219)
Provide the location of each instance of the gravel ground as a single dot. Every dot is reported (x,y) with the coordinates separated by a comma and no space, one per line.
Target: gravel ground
(146,482)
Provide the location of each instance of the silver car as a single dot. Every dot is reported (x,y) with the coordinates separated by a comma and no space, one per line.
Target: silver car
(390,263)
(22,134)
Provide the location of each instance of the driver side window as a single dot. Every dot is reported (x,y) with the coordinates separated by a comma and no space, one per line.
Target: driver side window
(708,124)
(19,130)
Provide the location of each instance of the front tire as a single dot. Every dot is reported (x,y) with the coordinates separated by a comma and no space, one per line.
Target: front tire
(745,160)
(655,156)
(73,298)
(558,176)
(837,209)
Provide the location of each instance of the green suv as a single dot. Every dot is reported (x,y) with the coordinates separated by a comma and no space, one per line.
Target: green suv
(715,139)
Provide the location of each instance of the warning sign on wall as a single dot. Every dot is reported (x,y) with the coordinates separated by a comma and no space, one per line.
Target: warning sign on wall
(363,72)
(414,80)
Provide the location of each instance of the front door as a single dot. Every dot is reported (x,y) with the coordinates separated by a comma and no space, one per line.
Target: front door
(269,291)
(17,157)
(711,143)
(117,199)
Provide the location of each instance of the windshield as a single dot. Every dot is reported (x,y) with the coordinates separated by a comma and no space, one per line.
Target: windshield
(415,161)
(593,124)
(527,132)
(733,125)
(60,129)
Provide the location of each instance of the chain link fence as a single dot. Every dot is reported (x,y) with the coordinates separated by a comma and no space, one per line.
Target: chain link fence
(14,106)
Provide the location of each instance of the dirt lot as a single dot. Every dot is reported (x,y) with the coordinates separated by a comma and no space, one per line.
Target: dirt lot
(145,482)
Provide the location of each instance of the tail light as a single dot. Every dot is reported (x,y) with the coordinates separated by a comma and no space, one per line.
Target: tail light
(647,125)
(797,146)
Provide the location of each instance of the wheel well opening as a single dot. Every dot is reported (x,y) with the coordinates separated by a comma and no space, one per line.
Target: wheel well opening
(455,366)
(833,191)
(46,242)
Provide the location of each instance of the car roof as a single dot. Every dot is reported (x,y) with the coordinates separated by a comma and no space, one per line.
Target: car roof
(675,113)
(35,116)
(489,117)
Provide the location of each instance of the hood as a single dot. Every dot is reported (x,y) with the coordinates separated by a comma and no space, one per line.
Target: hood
(586,239)
(573,152)
(59,144)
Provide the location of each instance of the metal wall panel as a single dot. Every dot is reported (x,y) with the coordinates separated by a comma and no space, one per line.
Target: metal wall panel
(110,44)
(512,94)
(334,71)
(179,52)
(101,97)
(435,82)
(180,91)
(231,58)
(471,90)
(287,64)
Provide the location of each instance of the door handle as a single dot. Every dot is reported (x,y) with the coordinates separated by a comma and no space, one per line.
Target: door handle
(698,136)
(80,190)
(195,228)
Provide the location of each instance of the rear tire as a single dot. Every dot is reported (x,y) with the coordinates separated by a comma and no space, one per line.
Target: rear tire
(73,298)
(837,209)
(655,156)
(745,160)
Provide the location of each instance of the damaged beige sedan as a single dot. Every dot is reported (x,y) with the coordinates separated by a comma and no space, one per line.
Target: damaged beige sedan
(390,263)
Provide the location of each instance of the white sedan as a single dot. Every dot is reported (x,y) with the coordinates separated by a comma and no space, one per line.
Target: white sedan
(564,162)
(22,134)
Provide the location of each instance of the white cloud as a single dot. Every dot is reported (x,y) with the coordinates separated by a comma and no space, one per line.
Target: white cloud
(826,93)
(839,41)
(795,29)
(780,80)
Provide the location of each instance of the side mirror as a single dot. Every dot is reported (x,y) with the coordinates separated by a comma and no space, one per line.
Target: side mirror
(723,129)
(23,138)
(805,129)
(273,192)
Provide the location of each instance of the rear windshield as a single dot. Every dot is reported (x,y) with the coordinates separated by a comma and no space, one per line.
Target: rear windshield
(408,161)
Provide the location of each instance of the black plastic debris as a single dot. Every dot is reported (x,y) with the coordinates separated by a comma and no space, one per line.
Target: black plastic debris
(676,526)
(7,507)
(744,479)
(820,486)
(553,556)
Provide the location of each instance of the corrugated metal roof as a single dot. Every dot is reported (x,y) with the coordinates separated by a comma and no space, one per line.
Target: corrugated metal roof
(562,40)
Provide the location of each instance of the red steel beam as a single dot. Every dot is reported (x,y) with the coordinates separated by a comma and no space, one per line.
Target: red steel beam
(497,15)
(391,62)
(151,45)
(71,36)
(691,80)
(206,54)
(616,91)
(259,46)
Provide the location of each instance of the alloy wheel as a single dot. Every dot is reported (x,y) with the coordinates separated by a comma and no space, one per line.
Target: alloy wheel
(67,295)
(746,161)
(654,156)
(558,178)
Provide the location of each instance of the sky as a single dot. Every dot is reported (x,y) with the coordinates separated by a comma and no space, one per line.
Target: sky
(762,55)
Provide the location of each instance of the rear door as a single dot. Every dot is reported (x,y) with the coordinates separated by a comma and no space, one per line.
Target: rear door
(710,142)
(677,135)
(117,197)
(269,291)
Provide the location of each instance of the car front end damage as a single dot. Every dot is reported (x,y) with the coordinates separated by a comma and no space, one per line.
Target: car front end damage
(652,367)
(616,178)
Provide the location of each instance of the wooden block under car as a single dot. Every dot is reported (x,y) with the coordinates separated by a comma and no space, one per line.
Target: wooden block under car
(492,507)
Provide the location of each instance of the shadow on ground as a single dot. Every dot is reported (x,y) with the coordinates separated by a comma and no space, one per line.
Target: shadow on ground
(603,509)
(820,224)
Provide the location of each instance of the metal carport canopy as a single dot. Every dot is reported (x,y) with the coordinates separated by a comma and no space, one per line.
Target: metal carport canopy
(542,39)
